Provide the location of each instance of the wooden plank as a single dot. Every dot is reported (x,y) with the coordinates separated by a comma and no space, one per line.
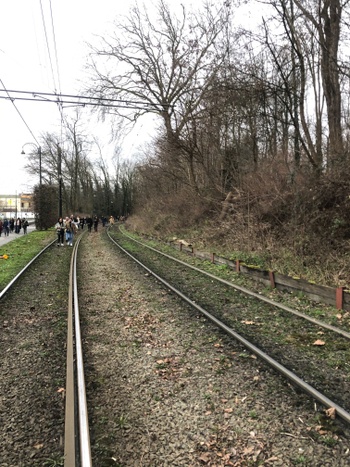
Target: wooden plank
(304,286)
(203,255)
(255,272)
(220,260)
(346,300)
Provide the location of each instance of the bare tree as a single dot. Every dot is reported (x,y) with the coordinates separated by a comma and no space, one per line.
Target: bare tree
(325,16)
(163,65)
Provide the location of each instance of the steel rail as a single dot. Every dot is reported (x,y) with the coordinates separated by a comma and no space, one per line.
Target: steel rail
(69,424)
(249,292)
(74,406)
(342,413)
(10,284)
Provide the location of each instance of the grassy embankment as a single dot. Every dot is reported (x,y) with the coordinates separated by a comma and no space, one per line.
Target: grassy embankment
(21,250)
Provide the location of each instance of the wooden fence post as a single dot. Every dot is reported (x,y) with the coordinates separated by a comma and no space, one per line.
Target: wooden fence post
(339,297)
(213,258)
(238,268)
(272,279)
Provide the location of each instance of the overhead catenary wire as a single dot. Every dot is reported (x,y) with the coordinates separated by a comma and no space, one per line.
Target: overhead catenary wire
(47,44)
(58,101)
(55,48)
(83,104)
(87,100)
(17,110)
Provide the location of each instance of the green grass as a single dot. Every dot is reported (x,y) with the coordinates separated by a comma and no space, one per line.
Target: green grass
(21,250)
(54,461)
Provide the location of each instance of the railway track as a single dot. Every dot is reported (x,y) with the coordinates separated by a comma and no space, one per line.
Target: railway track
(78,407)
(296,354)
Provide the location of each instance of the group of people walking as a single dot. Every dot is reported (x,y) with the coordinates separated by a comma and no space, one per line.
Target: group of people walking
(8,226)
(67,227)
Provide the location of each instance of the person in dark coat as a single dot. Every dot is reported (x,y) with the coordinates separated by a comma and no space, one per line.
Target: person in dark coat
(18,225)
(95,223)
(25,224)
(89,223)
(6,227)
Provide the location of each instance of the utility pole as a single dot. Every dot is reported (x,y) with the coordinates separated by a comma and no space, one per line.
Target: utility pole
(59,153)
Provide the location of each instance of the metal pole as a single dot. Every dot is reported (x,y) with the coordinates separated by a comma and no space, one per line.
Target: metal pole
(40,185)
(40,178)
(59,181)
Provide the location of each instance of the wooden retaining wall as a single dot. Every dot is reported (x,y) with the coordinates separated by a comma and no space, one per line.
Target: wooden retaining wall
(334,296)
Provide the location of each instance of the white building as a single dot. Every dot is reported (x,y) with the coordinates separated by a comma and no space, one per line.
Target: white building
(18,205)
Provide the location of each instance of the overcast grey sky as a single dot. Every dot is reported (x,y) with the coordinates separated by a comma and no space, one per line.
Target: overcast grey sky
(28,63)
(31,32)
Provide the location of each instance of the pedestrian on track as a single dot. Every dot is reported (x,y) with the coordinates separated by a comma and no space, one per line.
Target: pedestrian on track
(59,226)
(70,230)
(89,223)
(95,223)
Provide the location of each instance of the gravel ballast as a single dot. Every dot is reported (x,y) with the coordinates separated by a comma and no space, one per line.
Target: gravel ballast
(166,388)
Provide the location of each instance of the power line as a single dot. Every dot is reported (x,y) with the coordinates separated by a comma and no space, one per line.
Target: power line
(60,104)
(75,103)
(84,100)
(19,113)
(55,48)
(47,44)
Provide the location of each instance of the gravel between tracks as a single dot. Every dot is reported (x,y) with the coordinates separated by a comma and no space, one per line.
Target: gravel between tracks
(165,388)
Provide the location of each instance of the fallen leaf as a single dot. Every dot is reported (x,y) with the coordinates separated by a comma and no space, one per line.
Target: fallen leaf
(248,322)
(248,450)
(60,390)
(38,446)
(331,413)
(205,458)
(319,342)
